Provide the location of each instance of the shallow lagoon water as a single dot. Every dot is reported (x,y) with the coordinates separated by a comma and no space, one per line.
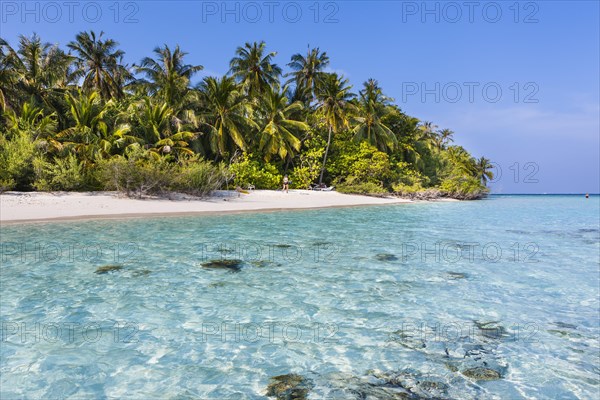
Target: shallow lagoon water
(347,298)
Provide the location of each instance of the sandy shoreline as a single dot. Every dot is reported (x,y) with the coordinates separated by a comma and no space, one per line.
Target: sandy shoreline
(19,207)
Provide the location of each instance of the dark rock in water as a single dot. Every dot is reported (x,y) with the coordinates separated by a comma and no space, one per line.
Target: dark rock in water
(588,230)
(492,330)
(224,250)
(565,334)
(591,241)
(433,386)
(289,387)
(451,367)
(477,351)
(456,275)
(471,356)
(413,385)
(374,386)
(482,374)
(407,340)
(576,350)
(230,265)
(565,325)
(386,257)
(264,263)
(143,272)
(389,385)
(322,243)
(108,268)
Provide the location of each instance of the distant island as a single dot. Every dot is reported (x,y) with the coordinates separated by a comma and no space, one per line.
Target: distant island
(79,119)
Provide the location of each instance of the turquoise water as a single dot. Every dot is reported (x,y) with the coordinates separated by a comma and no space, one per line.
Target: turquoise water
(368,301)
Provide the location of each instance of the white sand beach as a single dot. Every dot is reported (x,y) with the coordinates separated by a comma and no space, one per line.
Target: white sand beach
(18,207)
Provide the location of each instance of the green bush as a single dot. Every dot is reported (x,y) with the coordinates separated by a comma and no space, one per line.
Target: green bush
(136,176)
(352,186)
(302,177)
(250,172)
(62,174)
(362,169)
(406,190)
(16,162)
(463,188)
(200,177)
(410,181)
(309,165)
(362,162)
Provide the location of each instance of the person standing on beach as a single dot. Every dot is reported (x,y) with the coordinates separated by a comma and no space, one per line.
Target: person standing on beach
(286,183)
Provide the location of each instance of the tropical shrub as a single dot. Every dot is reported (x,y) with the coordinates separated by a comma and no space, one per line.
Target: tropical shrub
(136,176)
(62,174)
(410,181)
(352,185)
(16,162)
(302,177)
(463,187)
(250,172)
(200,177)
(309,166)
(365,170)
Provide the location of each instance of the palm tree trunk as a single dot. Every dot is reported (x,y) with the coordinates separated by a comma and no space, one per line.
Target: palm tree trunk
(325,157)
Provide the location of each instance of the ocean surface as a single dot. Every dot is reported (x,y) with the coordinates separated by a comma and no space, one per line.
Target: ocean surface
(496,298)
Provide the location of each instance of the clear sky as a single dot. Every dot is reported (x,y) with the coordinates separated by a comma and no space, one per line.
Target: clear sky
(518,82)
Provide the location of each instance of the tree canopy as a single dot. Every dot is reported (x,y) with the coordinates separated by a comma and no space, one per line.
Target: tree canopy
(76,111)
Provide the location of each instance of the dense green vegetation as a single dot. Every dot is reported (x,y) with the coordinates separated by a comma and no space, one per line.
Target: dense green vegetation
(79,119)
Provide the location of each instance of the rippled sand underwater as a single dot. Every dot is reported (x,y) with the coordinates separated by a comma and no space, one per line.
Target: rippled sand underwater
(490,299)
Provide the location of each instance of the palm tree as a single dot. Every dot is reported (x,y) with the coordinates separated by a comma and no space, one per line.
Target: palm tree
(158,122)
(427,131)
(482,168)
(36,70)
(334,103)
(277,133)
(445,137)
(254,70)
(373,106)
(90,137)
(98,61)
(308,72)
(461,160)
(226,114)
(167,76)
(32,120)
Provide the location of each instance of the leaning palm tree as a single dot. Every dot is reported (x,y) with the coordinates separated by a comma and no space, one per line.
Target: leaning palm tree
(482,168)
(99,62)
(167,76)
(226,114)
(278,128)
(372,107)
(254,69)
(334,103)
(308,72)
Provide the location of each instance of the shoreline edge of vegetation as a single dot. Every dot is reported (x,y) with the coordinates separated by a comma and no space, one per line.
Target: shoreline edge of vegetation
(79,119)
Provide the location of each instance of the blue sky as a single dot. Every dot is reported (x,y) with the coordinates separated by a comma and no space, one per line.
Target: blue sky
(518,82)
